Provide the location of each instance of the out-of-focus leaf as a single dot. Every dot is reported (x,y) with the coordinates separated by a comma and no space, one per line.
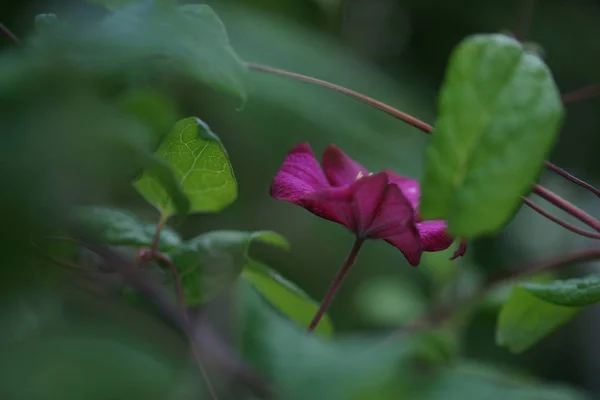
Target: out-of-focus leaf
(526,319)
(487,383)
(285,296)
(192,37)
(213,261)
(114,4)
(122,228)
(577,292)
(499,113)
(201,167)
(304,366)
(389,302)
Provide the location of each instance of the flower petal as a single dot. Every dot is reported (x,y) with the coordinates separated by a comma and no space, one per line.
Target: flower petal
(409,187)
(434,235)
(357,205)
(301,175)
(340,169)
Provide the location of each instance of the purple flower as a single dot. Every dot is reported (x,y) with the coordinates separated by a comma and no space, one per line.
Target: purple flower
(373,206)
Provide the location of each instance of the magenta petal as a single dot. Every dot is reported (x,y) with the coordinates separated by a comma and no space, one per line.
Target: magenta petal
(434,235)
(461,250)
(357,205)
(409,187)
(340,169)
(301,175)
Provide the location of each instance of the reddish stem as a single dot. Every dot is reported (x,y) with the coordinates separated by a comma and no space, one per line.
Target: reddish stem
(7,33)
(581,94)
(556,169)
(417,123)
(557,220)
(176,280)
(335,285)
(567,206)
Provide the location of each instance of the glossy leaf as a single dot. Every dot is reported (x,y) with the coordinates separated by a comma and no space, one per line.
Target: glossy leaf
(499,114)
(525,319)
(577,292)
(212,262)
(285,296)
(120,228)
(191,37)
(201,167)
(304,366)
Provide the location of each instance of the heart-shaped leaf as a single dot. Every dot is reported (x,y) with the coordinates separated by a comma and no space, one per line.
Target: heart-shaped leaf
(201,167)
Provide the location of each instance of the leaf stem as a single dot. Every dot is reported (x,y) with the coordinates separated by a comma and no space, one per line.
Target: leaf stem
(524,17)
(335,285)
(567,206)
(7,33)
(159,227)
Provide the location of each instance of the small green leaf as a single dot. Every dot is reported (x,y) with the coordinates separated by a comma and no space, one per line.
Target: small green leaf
(201,167)
(212,262)
(525,319)
(285,296)
(121,228)
(499,114)
(577,292)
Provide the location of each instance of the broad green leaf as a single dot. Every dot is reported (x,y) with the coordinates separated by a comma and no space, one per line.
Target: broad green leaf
(499,114)
(201,167)
(525,319)
(304,366)
(191,37)
(489,383)
(122,228)
(285,296)
(212,262)
(577,292)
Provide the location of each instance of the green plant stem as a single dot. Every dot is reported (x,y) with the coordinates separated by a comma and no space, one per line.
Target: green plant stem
(159,227)
(335,285)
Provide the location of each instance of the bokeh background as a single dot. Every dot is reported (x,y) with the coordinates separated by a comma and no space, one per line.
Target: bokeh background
(395,51)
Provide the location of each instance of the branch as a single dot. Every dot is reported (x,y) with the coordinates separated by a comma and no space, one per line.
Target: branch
(220,354)
(556,169)
(567,206)
(559,221)
(7,33)
(581,94)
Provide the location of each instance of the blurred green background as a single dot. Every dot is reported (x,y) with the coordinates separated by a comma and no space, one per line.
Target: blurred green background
(394,51)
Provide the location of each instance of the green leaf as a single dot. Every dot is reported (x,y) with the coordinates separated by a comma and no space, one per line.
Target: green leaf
(114,4)
(201,166)
(192,37)
(525,319)
(285,296)
(122,228)
(576,292)
(488,383)
(304,366)
(499,114)
(212,262)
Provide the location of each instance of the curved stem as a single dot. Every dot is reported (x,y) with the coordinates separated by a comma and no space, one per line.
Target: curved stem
(581,94)
(567,206)
(559,221)
(156,238)
(335,285)
(417,123)
(556,169)
(7,33)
